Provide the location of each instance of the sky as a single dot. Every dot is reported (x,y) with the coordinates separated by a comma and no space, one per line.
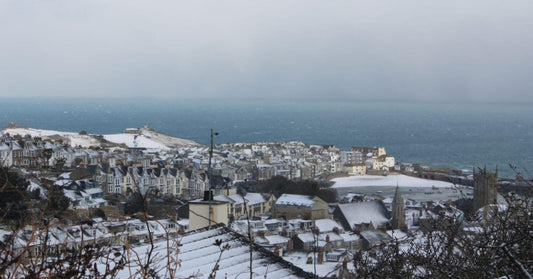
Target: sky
(420,50)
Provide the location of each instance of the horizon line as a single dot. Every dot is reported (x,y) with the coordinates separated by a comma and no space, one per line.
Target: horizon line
(291,100)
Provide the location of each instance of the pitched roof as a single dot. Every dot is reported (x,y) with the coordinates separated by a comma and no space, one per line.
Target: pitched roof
(198,255)
(295,200)
(251,198)
(276,239)
(326,225)
(375,236)
(364,212)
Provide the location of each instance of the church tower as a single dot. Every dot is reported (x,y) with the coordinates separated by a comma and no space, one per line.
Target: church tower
(485,188)
(398,216)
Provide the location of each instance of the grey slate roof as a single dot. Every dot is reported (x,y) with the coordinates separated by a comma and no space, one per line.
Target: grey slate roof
(198,256)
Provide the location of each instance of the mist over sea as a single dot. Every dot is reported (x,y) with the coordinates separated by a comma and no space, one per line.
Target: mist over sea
(456,135)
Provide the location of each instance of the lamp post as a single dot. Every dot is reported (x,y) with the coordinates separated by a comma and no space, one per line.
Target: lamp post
(209,175)
(210,157)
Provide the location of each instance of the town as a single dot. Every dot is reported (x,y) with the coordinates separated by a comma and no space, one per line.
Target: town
(132,190)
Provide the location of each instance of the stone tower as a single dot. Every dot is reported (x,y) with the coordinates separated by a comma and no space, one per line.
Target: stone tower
(485,188)
(398,216)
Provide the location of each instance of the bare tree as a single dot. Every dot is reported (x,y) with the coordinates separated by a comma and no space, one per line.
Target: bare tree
(495,243)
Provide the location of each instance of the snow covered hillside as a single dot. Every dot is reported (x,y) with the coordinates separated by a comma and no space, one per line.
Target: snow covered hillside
(73,139)
(139,138)
(131,140)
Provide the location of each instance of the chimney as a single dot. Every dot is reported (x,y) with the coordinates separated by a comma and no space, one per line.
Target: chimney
(278,251)
(320,259)
(208,195)
(290,245)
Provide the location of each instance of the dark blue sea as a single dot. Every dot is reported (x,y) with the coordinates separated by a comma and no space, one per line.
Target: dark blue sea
(461,136)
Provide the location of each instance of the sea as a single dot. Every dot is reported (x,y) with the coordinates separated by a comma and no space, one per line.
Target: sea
(458,135)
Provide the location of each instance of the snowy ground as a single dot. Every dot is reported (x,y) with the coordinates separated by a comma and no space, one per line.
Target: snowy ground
(390,181)
(167,140)
(74,139)
(131,140)
(146,138)
(34,132)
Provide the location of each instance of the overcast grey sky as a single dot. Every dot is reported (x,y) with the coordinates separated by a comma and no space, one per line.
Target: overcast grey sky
(344,50)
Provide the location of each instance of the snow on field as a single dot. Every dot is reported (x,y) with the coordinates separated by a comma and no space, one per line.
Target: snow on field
(390,180)
(132,140)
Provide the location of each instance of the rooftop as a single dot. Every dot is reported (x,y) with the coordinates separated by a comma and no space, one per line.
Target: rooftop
(295,200)
(198,255)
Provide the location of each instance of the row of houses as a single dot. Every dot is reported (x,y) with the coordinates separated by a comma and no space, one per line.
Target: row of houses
(26,153)
(122,180)
(57,237)
(237,162)
(322,235)
(307,223)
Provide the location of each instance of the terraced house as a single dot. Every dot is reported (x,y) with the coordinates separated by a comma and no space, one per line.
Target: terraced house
(122,180)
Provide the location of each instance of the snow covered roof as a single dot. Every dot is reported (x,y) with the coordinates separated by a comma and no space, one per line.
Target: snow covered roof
(307,237)
(387,200)
(324,270)
(93,191)
(183,222)
(375,236)
(398,234)
(326,225)
(198,255)
(276,239)
(251,198)
(350,236)
(70,194)
(331,236)
(274,221)
(364,212)
(223,198)
(295,200)
(100,201)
